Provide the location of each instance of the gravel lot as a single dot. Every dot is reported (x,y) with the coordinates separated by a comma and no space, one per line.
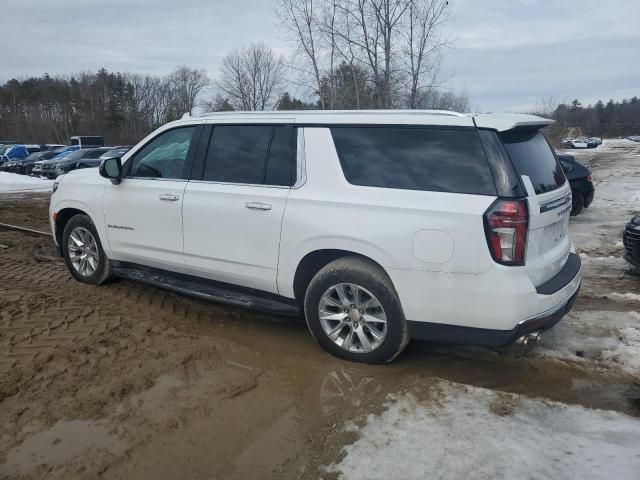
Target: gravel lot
(128,381)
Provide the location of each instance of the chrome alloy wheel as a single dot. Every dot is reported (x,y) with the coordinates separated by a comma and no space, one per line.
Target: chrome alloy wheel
(83,251)
(353,318)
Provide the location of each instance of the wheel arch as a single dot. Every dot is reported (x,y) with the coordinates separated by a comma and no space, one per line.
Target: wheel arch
(316,260)
(62,218)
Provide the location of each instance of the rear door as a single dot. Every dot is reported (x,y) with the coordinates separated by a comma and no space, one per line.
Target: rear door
(549,196)
(234,204)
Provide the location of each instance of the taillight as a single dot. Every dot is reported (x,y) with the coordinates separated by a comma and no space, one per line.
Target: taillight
(505,224)
(589,179)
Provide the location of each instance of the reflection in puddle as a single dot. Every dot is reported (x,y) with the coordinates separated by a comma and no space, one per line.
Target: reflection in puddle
(343,390)
(61,443)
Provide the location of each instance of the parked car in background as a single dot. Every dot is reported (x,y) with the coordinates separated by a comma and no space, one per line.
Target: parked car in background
(631,241)
(4,148)
(581,181)
(17,152)
(92,162)
(379,226)
(25,165)
(582,142)
(59,166)
(53,146)
(59,153)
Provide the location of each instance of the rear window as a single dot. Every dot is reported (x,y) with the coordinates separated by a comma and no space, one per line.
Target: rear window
(532,156)
(431,159)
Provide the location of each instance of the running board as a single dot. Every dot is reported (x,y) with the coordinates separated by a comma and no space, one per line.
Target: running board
(209,289)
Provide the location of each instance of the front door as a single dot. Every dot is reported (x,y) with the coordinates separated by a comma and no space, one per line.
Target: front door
(143,213)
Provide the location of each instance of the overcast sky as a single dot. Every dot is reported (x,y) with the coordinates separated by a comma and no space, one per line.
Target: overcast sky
(507,53)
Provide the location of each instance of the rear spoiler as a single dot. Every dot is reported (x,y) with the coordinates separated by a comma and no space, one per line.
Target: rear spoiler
(509,121)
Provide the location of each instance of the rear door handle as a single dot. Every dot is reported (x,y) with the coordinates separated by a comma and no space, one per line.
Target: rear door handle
(168,197)
(258,206)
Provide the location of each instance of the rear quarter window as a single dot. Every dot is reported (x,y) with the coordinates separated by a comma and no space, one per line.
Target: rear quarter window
(532,156)
(428,159)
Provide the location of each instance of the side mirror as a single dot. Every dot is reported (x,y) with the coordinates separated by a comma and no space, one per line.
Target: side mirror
(111,168)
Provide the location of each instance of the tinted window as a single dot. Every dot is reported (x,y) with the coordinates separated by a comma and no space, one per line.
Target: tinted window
(165,156)
(280,164)
(250,155)
(506,179)
(532,156)
(440,160)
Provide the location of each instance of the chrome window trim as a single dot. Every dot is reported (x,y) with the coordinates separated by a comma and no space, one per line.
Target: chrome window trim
(157,178)
(301,160)
(281,187)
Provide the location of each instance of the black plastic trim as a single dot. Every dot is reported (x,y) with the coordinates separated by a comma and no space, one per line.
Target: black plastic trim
(444,333)
(563,278)
(208,289)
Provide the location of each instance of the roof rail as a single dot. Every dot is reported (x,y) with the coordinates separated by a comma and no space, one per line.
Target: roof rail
(333,112)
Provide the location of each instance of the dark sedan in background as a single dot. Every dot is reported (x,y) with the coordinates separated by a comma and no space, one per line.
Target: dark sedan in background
(25,165)
(78,159)
(579,176)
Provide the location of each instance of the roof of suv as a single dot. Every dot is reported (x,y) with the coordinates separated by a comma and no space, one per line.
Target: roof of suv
(497,121)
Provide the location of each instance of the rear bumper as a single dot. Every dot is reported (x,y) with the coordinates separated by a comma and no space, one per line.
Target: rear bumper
(497,309)
(437,332)
(588,198)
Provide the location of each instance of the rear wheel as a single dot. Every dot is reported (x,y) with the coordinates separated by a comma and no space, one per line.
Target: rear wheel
(353,312)
(577,204)
(83,251)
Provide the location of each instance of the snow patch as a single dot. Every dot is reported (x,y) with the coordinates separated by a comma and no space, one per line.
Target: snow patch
(14,183)
(470,432)
(623,297)
(611,338)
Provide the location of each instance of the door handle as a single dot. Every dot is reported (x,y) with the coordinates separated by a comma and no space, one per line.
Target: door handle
(258,206)
(168,197)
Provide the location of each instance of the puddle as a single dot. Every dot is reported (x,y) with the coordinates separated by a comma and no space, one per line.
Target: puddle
(58,445)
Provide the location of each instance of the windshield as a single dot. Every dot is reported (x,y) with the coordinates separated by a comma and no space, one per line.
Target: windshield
(532,156)
(76,155)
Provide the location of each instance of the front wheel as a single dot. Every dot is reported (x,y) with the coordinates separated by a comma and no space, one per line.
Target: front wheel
(83,251)
(354,313)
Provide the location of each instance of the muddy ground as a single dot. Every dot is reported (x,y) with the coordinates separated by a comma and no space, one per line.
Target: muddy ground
(128,381)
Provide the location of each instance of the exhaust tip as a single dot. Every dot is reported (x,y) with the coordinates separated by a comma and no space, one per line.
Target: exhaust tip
(529,338)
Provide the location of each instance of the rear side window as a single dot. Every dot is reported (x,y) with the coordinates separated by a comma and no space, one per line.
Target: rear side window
(250,154)
(532,156)
(439,160)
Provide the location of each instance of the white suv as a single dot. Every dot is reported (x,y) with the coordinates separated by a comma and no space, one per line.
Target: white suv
(381,226)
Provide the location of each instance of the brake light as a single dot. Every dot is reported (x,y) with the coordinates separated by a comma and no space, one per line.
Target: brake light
(506,224)
(589,179)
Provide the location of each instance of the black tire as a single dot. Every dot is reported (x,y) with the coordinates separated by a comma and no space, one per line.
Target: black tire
(364,273)
(577,204)
(102,272)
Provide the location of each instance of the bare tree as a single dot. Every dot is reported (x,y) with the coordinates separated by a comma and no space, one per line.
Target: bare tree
(186,84)
(301,19)
(398,42)
(423,44)
(251,77)
(547,106)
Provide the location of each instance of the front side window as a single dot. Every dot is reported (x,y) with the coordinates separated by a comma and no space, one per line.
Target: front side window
(250,154)
(165,156)
(431,159)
